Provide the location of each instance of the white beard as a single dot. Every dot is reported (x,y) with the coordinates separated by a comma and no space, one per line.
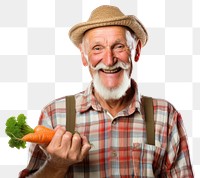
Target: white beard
(112,93)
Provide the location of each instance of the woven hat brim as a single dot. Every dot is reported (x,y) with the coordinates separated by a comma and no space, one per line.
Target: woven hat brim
(76,32)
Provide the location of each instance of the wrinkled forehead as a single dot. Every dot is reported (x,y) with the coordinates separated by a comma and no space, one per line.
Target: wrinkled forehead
(108,32)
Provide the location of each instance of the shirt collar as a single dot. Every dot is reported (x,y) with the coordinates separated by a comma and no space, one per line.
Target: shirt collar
(87,100)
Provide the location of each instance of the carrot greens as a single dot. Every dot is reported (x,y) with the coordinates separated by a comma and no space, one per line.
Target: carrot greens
(16,128)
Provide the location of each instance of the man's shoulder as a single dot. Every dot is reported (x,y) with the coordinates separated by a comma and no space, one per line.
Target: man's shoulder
(162,104)
(61,101)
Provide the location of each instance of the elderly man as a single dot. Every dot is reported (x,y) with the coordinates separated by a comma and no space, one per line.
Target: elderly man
(111,138)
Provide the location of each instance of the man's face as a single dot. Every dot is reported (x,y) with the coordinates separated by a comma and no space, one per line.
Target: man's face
(108,54)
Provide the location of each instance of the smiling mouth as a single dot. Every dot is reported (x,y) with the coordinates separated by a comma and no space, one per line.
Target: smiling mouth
(111,71)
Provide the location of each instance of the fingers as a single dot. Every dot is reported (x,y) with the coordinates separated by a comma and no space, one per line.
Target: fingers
(57,138)
(66,140)
(76,143)
(57,127)
(68,147)
(86,146)
(79,148)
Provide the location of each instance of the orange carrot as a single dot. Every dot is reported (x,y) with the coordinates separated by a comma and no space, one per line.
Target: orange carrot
(39,137)
(41,134)
(41,128)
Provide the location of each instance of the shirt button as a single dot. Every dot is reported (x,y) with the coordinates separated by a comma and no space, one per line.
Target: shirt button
(114,154)
(114,122)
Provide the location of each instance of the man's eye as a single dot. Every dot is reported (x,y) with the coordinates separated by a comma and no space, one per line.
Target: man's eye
(97,48)
(119,47)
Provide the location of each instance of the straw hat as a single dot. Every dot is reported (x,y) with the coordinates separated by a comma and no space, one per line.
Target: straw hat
(107,15)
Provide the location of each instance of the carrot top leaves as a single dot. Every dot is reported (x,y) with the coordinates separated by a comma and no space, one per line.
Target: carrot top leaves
(16,128)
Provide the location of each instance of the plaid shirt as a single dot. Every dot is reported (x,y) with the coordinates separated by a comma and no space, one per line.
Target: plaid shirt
(120,148)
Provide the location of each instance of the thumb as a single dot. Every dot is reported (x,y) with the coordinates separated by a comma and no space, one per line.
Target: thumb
(86,146)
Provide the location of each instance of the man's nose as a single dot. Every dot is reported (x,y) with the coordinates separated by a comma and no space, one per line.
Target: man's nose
(109,58)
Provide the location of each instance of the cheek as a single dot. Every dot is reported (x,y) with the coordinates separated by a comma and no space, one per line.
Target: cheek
(124,57)
(93,60)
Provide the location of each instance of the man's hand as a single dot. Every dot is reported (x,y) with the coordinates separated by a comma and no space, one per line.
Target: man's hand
(66,149)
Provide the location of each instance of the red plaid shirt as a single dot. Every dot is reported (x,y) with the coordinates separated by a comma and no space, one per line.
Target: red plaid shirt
(120,148)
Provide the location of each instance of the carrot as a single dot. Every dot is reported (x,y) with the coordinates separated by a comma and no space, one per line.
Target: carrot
(20,132)
(41,134)
(39,137)
(41,128)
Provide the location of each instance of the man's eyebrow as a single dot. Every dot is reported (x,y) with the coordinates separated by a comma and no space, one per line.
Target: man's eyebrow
(98,42)
(120,41)
(91,45)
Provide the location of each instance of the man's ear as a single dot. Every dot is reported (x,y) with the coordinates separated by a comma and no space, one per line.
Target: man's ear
(84,60)
(138,51)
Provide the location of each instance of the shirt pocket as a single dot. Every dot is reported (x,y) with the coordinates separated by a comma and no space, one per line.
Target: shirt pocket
(147,160)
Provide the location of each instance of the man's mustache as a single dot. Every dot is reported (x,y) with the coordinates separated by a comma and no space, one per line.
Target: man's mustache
(102,66)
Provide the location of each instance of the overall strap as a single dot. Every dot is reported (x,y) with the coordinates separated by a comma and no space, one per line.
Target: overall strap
(70,126)
(70,113)
(149,117)
(148,111)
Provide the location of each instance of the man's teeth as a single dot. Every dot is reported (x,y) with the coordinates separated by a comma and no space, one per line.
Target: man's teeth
(111,71)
